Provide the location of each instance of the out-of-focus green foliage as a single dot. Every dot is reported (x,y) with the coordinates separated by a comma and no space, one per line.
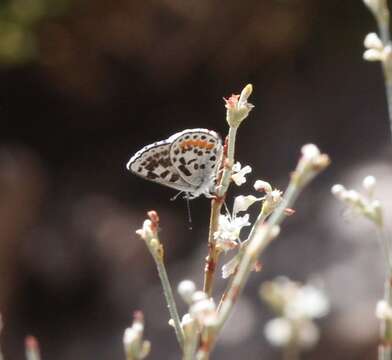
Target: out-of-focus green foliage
(19,23)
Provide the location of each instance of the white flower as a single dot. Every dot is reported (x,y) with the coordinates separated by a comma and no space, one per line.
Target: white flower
(187,323)
(362,204)
(274,197)
(311,163)
(372,41)
(134,345)
(278,331)
(281,331)
(229,230)
(204,312)
(186,289)
(376,54)
(310,152)
(242,203)
(383,310)
(338,190)
(262,186)
(239,173)
(373,55)
(146,231)
(294,300)
(369,184)
(307,302)
(199,295)
(353,197)
(271,201)
(133,334)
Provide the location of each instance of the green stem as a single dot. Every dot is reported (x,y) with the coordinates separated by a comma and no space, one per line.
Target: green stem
(191,343)
(33,355)
(385,346)
(167,291)
(383,26)
(386,249)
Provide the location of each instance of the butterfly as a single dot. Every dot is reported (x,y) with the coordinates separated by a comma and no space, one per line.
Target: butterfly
(186,161)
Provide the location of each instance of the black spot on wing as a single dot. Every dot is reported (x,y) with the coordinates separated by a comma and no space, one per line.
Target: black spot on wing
(165,173)
(184,170)
(174,177)
(151,175)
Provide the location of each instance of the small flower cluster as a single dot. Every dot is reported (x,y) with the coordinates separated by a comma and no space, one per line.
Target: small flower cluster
(384,311)
(149,233)
(363,204)
(202,309)
(239,173)
(376,50)
(227,236)
(238,107)
(310,164)
(271,199)
(135,347)
(296,306)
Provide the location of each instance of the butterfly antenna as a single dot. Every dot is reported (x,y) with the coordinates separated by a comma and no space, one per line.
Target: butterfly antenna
(188,206)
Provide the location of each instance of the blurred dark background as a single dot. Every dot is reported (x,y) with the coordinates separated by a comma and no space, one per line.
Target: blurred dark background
(85,84)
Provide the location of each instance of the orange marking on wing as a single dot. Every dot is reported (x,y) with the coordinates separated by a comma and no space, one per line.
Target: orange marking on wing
(197,143)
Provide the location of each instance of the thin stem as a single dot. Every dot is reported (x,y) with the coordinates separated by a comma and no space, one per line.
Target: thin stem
(383,26)
(385,346)
(191,343)
(216,206)
(213,253)
(386,250)
(168,292)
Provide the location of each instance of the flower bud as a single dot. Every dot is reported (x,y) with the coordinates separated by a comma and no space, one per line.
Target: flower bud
(186,289)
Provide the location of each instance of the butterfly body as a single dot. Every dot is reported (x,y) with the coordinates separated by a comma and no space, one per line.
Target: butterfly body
(186,161)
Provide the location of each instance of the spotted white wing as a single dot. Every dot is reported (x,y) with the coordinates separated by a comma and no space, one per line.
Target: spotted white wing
(195,154)
(153,163)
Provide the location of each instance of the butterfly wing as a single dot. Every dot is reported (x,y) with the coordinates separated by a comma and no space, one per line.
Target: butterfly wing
(195,154)
(153,163)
